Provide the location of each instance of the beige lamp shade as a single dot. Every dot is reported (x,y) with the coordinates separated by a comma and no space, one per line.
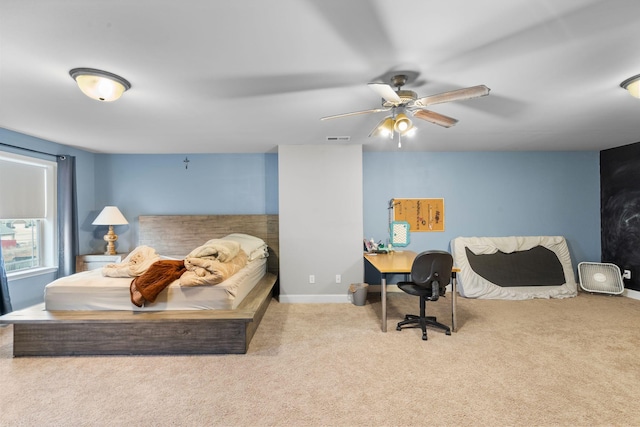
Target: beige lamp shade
(110,215)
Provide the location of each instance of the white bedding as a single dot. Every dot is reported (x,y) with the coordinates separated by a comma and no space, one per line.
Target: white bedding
(472,285)
(89,290)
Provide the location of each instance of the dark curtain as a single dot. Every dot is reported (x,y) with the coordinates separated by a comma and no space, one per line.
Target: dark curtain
(5,300)
(67,216)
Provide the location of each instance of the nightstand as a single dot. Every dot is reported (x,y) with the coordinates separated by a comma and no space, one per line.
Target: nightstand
(93,262)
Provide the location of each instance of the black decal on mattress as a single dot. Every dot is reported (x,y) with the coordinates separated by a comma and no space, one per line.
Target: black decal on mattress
(537,266)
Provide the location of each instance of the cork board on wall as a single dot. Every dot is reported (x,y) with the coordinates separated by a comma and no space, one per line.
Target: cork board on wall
(421,214)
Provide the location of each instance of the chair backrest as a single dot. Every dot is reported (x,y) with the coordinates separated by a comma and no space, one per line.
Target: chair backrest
(430,266)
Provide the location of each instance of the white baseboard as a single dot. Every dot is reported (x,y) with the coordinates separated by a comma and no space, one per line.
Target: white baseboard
(338,298)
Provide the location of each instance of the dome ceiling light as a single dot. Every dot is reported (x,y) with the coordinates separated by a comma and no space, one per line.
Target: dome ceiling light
(632,84)
(100,85)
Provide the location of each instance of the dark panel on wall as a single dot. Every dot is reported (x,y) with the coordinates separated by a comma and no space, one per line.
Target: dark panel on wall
(620,209)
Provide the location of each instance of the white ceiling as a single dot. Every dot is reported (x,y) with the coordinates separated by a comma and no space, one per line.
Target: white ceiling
(248,75)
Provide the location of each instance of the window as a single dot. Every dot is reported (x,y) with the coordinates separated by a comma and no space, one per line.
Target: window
(27,213)
(21,244)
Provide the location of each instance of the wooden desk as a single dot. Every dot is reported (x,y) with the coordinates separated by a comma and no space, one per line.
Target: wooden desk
(400,262)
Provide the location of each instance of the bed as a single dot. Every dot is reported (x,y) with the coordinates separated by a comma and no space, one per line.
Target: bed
(90,290)
(179,321)
(514,267)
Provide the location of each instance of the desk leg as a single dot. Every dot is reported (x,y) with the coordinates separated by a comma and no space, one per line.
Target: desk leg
(454,298)
(383,298)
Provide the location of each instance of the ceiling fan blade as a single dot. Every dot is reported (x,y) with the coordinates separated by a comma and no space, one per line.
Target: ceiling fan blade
(454,95)
(436,118)
(386,92)
(355,113)
(267,85)
(361,26)
(559,24)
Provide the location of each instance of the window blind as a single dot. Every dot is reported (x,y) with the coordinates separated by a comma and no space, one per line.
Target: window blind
(22,190)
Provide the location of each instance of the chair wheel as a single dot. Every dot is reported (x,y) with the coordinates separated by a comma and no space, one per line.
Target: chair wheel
(398,328)
(424,337)
(448,332)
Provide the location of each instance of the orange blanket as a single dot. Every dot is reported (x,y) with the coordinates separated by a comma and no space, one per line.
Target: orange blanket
(153,281)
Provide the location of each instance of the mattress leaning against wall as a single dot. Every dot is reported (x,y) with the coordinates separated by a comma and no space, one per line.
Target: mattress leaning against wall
(519,257)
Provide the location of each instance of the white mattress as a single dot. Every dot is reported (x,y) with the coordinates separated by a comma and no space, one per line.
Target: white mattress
(472,285)
(89,290)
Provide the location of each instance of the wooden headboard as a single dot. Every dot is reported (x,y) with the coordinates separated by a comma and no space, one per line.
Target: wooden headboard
(177,235)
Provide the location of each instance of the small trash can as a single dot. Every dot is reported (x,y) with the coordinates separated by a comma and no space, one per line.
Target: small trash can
(358,293)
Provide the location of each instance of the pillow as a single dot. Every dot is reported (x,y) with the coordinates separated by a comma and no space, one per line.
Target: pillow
(253,246)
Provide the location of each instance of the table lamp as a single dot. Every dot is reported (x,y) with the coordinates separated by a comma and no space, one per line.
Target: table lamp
(110,216)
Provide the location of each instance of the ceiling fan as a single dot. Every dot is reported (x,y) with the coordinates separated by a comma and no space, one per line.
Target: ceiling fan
(402,102)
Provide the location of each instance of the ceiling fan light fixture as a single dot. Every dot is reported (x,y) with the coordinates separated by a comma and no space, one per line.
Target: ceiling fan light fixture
(632,85)
(410,131)
(401,102)
(402,124)
(386,128)
(100,85)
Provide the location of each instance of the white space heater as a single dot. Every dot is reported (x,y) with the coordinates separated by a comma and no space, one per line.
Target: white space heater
(600,278)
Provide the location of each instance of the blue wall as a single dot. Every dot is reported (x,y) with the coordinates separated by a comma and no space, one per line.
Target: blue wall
(490,194)
(485,193)
(164,184)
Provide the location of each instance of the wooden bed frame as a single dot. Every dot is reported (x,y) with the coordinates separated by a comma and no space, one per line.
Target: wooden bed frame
(37,332)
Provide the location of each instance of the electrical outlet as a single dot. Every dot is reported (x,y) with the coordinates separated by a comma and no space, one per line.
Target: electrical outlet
(312,278)
(338,278)
(627,274)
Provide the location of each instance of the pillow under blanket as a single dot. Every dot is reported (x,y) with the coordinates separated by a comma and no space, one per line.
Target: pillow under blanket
(202,271)
(221,250)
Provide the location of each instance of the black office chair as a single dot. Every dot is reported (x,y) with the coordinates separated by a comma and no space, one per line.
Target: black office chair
(430,274)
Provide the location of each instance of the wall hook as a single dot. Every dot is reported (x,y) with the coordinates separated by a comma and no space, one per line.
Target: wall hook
(186,162)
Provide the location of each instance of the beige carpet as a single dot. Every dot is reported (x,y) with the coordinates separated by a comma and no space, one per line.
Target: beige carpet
(573,362)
